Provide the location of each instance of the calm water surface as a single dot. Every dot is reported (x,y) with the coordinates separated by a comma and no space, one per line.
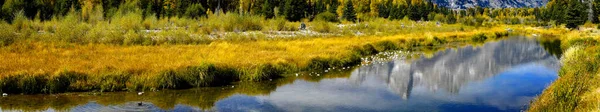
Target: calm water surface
(497,76)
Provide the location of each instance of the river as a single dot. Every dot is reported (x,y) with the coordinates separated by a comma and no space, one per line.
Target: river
(502,75)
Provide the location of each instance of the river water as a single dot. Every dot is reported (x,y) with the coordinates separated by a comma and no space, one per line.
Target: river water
(496,76)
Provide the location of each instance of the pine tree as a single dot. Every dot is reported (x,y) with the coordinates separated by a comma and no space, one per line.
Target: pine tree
(349,13)
(319,7)
(294,10)
(333,5)
(576,14)
(267,9)
(596,10)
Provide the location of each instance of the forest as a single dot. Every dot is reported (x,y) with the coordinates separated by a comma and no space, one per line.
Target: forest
(570,12)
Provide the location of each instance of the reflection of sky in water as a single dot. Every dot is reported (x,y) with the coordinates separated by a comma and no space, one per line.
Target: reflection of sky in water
(499,76)
(509,91)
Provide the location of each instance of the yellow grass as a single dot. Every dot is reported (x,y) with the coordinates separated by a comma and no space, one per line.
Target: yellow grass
(44,57)
(577,88)
(109,67)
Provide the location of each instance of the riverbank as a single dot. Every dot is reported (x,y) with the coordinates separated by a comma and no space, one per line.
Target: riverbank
(578,87)
(42,67)
(389,70)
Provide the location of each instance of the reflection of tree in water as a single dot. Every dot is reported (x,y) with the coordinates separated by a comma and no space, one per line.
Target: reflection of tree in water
(451,69)
(201,98)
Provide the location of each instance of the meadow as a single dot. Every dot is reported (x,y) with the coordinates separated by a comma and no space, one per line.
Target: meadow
(130,53)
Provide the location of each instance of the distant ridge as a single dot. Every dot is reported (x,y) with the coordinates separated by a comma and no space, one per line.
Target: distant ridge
(463,4)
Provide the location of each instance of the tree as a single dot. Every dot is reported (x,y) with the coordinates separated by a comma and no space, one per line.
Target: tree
(195,10)
(319,7)
(596,10)
(268,9)
(333,5)
(349,14)
(557,9)
(374,8)
(576,14)
(294,10)
(384,8)
(451,19)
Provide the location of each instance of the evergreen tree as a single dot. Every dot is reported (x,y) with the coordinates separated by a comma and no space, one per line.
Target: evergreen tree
(450,18)
(412,11)
(576,14)
(267,9)
(397,12)
(294,10)
(195,11)
(385,8)
(319,7)
(333,6)
(596,10)
(349,13)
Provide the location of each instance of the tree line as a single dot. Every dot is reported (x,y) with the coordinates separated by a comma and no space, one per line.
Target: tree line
(293,10)
(569,12)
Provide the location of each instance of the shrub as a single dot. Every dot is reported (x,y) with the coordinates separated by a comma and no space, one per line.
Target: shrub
(264,71)
(113,81)
(440,18)
(10,84)
(197,76)
(129,21)
(387,45)
(233,22)
(365,50)
(323,27)
(133,38)
(318,63)
(61,81)
(580,42)
(32,83)
(275,24)
(150,22)
(169,80)
(20,21)
(103,32)
(72,32)
(326,16)
(479,38)
(7,35)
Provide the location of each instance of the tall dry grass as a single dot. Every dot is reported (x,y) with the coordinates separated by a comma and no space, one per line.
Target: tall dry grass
(107,67)
(577,87)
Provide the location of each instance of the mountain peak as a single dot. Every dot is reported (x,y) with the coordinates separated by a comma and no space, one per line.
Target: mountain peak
(463,4)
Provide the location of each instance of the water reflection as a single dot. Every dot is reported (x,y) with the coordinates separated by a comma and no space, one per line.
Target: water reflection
(498,76)
(449,70)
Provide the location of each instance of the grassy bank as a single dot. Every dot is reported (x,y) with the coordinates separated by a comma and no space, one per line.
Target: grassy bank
(578,87)
(32,66)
